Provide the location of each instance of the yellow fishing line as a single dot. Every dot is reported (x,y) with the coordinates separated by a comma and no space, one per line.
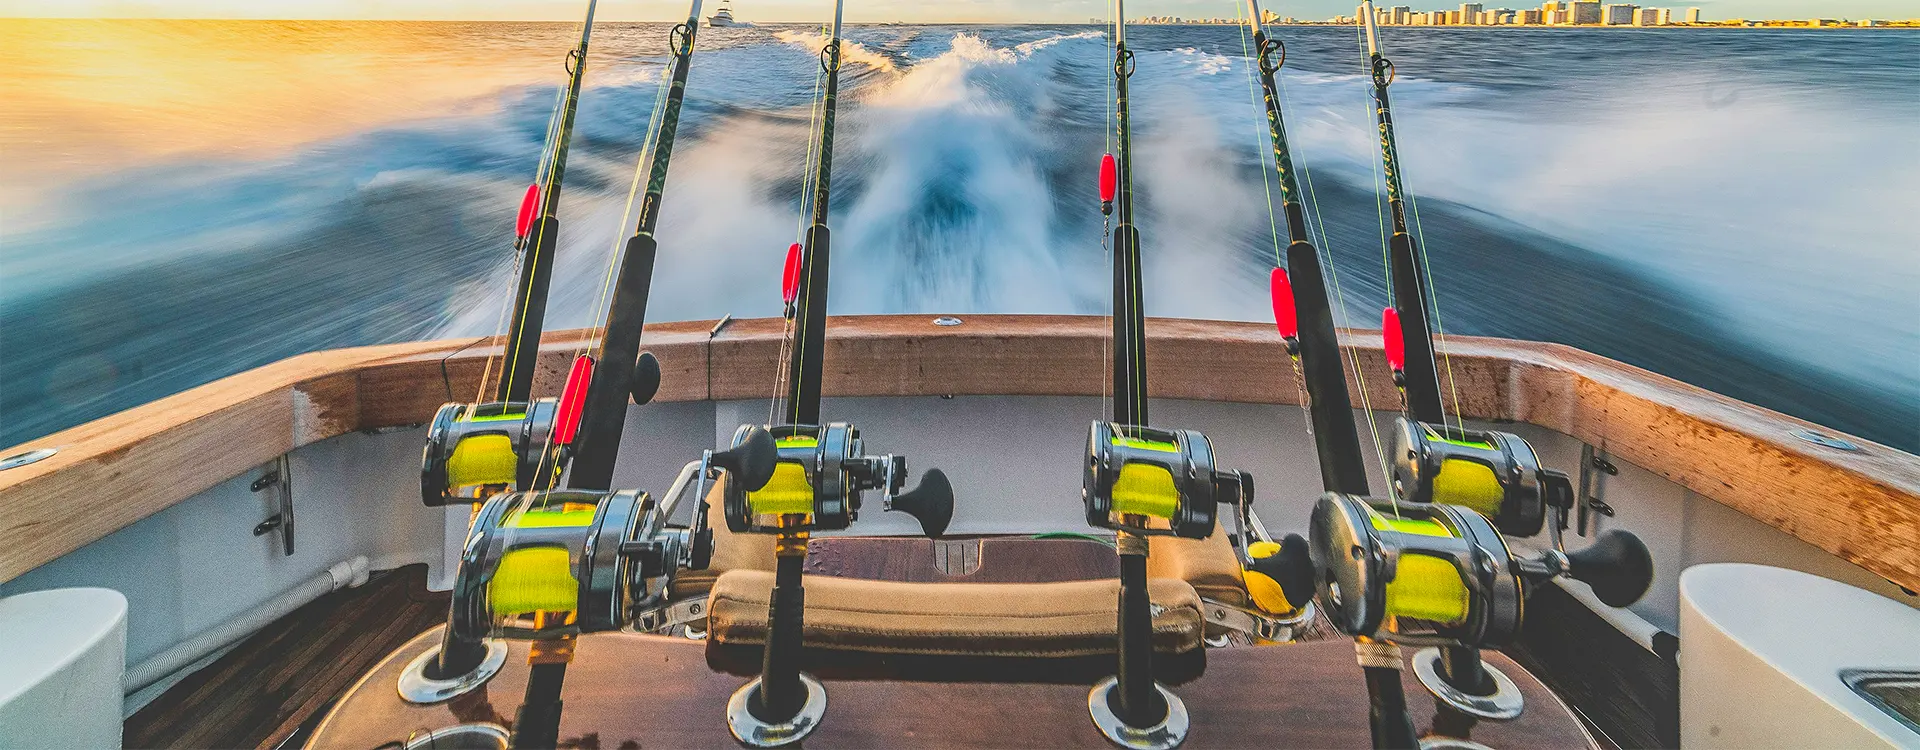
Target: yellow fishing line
(533,579)
(482,460)
(787,492)
(1145,489)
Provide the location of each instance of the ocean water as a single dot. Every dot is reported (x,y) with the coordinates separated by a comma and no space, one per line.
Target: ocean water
(183,200)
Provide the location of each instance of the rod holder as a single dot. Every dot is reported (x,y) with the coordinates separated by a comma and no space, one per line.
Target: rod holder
(783,705)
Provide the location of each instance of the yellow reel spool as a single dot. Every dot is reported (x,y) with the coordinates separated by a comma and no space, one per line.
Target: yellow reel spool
(1469,483)
(534,579)
(1423,587)
(482,460)
(1147,490)
(787,492)
(538,578)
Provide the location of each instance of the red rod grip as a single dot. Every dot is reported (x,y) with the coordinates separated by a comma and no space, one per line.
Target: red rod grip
(1109,178)
(1395,340)
(573,400)
(529,210)
(790,278)
(1285,316)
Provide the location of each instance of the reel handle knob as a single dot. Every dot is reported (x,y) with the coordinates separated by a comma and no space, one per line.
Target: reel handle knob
(752,458)
(931,503)
(1617,566)
(1291,567)
(646,378)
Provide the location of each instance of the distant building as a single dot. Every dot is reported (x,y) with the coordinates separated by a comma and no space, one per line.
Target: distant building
(1665,17)
(1646,17)
(1532,17)
(1693,15)
(1470,13)
(1619,14)
(1400,15)
(1583,12)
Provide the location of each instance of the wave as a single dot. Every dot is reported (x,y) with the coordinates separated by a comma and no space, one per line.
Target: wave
(964,182)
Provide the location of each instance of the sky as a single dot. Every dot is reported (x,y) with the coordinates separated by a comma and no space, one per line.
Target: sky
(988,11)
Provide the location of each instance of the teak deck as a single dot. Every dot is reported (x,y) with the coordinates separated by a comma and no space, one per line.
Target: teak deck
(1861,506)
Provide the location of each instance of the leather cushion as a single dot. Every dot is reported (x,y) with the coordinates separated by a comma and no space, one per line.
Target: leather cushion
(1071,618)
(1209,565)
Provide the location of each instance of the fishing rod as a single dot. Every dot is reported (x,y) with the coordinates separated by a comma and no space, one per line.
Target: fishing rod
(537,233)
(1129,313)
(807,287)
(474,450)
(620,372)
(822,471)
(1300,289)
(1304,316)
(1140,481)
(1414,369)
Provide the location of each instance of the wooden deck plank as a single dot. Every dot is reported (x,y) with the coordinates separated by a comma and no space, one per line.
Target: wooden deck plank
(265,689)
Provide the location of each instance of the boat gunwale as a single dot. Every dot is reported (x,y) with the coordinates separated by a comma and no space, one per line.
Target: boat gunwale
(117,470)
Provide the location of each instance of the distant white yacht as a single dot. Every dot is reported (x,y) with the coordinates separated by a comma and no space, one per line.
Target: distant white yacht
(722,16)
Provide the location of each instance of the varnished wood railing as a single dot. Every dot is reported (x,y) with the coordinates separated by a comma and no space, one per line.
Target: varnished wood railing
(1862,506)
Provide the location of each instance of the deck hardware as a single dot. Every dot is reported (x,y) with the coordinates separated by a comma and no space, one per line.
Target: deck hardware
(1168,733)
(18,460)
(753,731)
(466,736)
(1594,462)
(417,688)
(1503,704)
(279,476)
(1825,441)
(947,320)
(719,325)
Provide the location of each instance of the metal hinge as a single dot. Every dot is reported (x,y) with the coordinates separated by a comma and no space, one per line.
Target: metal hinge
(279,476)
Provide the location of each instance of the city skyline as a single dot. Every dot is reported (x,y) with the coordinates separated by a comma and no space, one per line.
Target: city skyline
(781,11)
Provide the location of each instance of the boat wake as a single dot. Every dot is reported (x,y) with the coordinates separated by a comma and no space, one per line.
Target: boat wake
(1633,224)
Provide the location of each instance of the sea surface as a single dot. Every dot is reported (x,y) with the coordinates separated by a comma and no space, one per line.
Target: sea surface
(183,200)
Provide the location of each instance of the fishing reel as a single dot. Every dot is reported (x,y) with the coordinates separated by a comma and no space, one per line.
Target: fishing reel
(475,450)
(1154,482)
(1496,474)
(548,564)
(818,480)
(1441,575)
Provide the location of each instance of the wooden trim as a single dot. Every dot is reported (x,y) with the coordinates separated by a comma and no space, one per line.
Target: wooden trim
(1861,506)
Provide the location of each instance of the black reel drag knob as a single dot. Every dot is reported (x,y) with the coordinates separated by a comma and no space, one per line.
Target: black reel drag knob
(751,459)
(646,378)
(1288,566)
(1617,566)
(931,502)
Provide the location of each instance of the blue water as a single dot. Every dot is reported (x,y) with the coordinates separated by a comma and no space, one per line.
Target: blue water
(1731,208)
